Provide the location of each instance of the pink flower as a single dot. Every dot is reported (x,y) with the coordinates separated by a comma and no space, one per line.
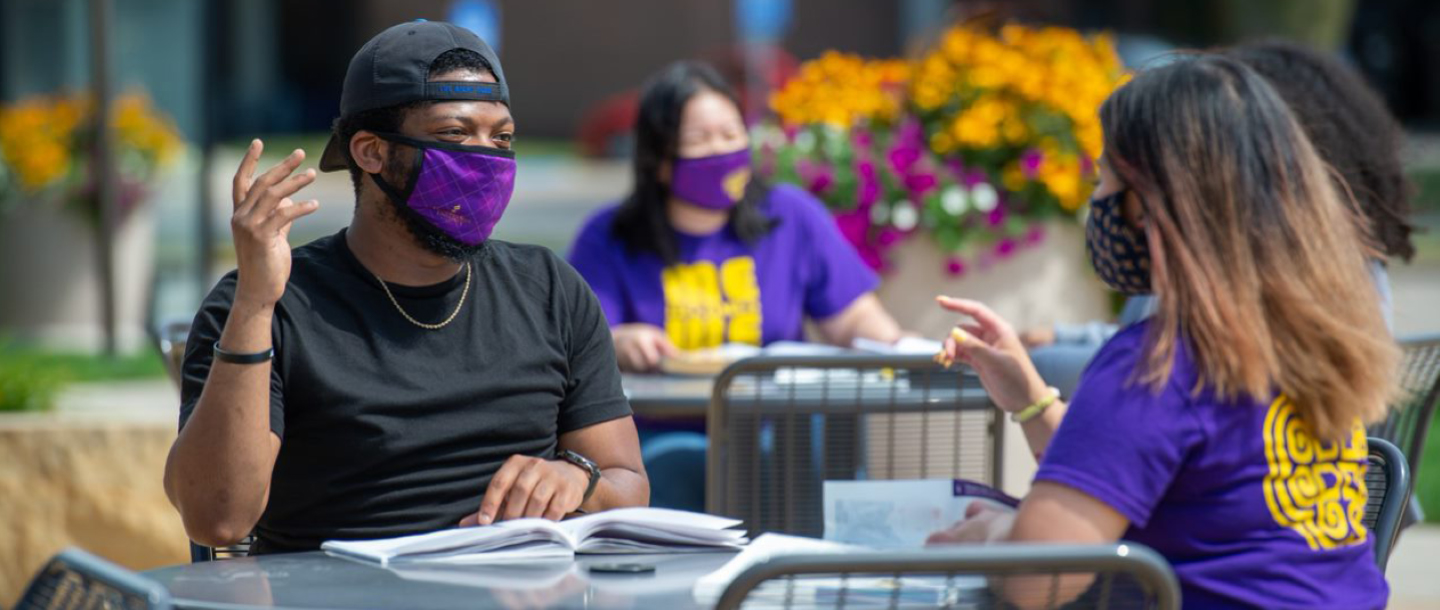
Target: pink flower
(1006,248)
(821,181)
(956,167)
(861,138)
(902,159)
(974,177)
(1034,235)
(867,184)
(919,184)
(855,226)
(1030,161)
(996,217)
(817,176)
(955,266)
(887,238)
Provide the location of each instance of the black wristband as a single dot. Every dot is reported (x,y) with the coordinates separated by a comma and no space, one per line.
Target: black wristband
(234,358)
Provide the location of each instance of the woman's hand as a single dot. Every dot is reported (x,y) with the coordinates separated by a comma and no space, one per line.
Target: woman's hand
(639,347)
(991,346)
(985,522)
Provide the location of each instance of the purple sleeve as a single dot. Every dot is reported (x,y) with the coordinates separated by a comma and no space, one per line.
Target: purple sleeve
(1121,442)
(837,275)
(593,256)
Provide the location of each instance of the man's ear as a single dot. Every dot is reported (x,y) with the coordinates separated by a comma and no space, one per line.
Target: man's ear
(368,151)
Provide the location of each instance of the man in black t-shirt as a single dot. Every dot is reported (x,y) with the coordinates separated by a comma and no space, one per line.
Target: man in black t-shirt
(406,373)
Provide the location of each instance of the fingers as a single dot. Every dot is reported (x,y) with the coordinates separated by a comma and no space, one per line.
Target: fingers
(959,344)
(960,533)
(977,507)
(499,488)
(630,358)
(539,499)
(270,198)
(647,354)
(562,504)
(241,184)
(287,212)
(665,347)
(260,189)
(517,500)
(984,315)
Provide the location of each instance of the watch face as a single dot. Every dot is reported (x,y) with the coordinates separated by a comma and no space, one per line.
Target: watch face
(580,460)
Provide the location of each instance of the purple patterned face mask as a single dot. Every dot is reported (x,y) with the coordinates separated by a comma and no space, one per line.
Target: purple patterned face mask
(458,190)
(716,182)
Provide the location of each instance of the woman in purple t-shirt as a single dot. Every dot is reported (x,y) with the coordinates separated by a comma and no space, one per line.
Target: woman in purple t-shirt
(1227,430)
(701,254)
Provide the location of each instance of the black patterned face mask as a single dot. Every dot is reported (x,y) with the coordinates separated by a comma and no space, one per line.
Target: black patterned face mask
(1119,253)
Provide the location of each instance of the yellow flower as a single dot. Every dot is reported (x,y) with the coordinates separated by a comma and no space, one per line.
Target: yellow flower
(40,136)
(840,89)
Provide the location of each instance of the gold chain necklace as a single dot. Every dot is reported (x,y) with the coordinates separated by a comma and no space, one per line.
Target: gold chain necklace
(423,325)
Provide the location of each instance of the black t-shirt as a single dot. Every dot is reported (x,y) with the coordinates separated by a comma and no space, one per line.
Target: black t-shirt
(389,429)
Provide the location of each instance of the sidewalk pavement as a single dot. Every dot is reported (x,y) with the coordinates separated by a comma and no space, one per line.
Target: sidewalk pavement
(1412,574)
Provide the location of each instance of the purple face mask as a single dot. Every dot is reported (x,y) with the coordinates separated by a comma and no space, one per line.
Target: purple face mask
(459,190)
(716,182)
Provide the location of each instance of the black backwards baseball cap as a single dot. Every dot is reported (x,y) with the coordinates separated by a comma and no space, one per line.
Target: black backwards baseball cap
(392,69)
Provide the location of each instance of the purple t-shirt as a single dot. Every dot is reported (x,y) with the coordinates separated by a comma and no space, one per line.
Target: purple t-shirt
(1249,508)
(723,290)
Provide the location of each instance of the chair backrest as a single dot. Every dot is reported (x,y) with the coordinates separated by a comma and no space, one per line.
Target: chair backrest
(1387,480)
(171,337)
(1409,421)
(200,552)
(1038,576)
(781,426)
(75,579)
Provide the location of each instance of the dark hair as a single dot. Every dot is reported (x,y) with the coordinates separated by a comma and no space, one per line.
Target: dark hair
(1258,262)
(1350,128)
(640,222)
(390,118)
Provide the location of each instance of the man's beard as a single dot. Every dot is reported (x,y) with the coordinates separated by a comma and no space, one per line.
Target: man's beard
(429,237)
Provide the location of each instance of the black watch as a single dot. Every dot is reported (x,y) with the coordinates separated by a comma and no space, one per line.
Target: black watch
(586,464)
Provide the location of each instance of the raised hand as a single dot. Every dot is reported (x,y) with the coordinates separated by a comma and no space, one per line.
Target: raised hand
(991,346)
(264,213)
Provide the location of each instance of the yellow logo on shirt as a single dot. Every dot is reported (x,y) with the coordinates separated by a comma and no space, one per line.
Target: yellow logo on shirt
(705,304)
(1315,488)
(735,183)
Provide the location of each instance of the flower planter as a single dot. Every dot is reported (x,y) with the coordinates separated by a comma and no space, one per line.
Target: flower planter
(1041,284)
(49,278)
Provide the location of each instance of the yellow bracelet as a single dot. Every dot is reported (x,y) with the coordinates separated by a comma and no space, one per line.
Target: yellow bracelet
(1030,412)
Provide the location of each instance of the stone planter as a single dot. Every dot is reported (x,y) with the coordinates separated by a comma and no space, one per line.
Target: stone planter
(1043,284)
(91,480)
(49,278)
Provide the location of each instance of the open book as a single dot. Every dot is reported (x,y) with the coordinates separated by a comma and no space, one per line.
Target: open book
(624,530)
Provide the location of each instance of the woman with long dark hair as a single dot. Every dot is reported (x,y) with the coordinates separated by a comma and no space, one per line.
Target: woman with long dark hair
(701,253)
(1227,430)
